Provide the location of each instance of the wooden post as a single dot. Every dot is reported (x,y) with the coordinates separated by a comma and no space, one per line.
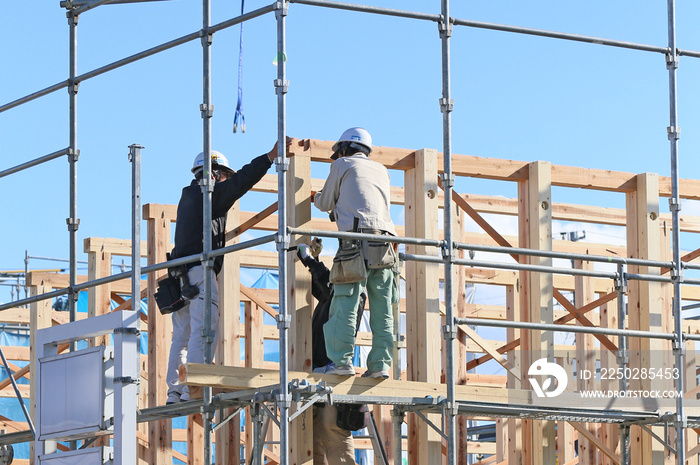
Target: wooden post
(254,357)
(644,296)
(608,360)
(99,266)
(228,352)
(299,298)
(460,343)
(586,359)
(515,426)
(160,328)
(535,226)
(39,318)
(422,300)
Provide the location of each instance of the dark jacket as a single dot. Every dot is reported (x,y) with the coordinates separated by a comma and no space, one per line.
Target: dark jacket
(322,290)
(188,229)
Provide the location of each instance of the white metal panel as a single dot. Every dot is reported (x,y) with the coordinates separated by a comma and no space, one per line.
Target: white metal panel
(71,394)
(89,456)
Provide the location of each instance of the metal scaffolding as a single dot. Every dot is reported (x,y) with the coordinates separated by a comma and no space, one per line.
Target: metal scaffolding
(449,407)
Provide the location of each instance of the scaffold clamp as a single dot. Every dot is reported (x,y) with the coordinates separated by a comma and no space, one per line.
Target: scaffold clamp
(449,331)
(282,164)
(281,8)
(207,110)
(679,345)
(126,380)
(446,105)
(73,154)
(284,401)
(283,321)
(126,330)
(674,204)
(281,86)
(671,60)
(447,180)
(445,27)
(674,132)
(73,223)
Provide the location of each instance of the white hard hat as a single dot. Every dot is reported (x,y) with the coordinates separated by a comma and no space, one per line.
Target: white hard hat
(357,135)
(218,160)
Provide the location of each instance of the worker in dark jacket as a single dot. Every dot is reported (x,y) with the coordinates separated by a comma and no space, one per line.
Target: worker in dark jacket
(188,322)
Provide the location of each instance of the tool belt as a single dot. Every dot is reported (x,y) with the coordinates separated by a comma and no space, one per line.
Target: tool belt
(175,290)
(348,263)
(378,255)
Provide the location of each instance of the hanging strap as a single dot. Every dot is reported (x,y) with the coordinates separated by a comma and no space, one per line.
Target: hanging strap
(239,111)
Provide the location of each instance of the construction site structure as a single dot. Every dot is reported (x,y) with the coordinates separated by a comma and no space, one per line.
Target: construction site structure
(626,315)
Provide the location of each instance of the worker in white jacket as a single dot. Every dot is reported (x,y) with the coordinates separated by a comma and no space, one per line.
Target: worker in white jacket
(357,194)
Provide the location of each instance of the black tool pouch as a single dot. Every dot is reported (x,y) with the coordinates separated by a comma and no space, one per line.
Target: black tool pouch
(352,417)
(168,295)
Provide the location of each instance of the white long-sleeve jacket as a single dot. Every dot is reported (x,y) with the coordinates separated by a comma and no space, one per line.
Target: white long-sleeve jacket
(357,187)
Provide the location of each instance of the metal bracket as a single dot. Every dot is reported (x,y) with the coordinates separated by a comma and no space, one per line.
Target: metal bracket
(623,357)
(126,330)
(126,380)
(449,331)
(674,132)
(281,8)
(621,283)
(283,321)
(207,110)
(73,223)
(671,60)
(206,37)
(445,105)
(285,402)
(72,18)
(445,27)
(447,181)
(658,438)
(676,275)
(281,87)
(282,165)
(73,155)
(674,204)
(226,420)
(73,87)
(207,335)
(282,242)
(431,424)
(678,345)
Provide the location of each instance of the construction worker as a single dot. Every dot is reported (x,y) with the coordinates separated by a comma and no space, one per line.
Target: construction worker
(333,444)
(357,194)
(188,322)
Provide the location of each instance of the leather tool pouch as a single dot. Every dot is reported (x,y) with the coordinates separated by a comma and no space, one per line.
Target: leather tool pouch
(348,264)
(379,255)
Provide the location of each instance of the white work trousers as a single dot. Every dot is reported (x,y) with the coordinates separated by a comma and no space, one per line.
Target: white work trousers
(188,322)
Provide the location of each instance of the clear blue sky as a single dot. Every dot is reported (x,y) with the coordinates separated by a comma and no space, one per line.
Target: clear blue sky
(516,97)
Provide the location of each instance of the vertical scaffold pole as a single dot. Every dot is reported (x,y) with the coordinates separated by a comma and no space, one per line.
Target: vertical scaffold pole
(450,331)
(135,159)
(72,220)
(675,207)
(622,357)
(207,110)
(281,162)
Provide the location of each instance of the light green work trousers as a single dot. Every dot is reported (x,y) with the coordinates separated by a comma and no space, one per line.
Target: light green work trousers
(340,328)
